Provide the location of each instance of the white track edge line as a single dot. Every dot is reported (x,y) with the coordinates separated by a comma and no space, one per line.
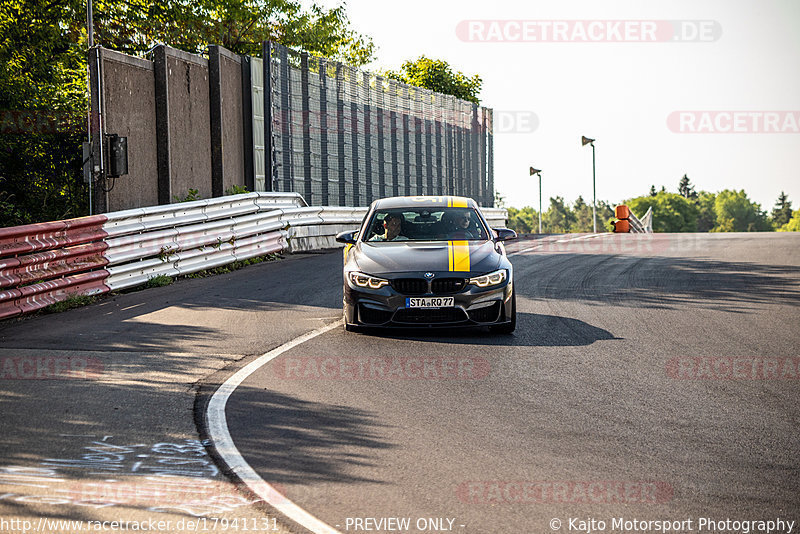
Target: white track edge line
(221,438)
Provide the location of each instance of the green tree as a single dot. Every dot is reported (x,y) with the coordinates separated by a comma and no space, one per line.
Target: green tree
(736,213)
(134,26)
(42,111)
(581,217)
(793,225)
(43,96)
(671,212)
(782,211)
(558,219)
(706,217)
(686,189)
(523,221)
(437,75)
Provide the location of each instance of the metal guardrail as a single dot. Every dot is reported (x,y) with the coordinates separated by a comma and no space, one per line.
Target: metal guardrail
(41,264)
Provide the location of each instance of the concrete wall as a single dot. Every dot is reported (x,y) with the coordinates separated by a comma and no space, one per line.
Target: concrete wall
(189,123)
(128,111)
(176,112)
(232,120)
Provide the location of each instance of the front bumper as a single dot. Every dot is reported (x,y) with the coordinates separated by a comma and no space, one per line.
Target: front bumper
(386,307)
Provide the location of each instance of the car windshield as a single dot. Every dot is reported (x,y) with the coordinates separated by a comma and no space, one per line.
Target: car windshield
(426,224)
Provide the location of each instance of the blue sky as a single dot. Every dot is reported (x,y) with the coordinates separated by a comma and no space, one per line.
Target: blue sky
(620,93)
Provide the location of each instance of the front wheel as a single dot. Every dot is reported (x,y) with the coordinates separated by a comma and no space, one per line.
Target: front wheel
(509,327)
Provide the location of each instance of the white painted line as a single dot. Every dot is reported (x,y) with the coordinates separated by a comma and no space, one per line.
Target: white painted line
(221,437)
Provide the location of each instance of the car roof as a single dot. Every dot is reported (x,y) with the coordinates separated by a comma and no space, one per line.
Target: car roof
(424,201)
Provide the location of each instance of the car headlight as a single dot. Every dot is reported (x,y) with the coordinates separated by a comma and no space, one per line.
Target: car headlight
(365,280)
(491,279)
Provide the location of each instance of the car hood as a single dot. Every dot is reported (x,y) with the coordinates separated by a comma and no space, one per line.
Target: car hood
(436,256)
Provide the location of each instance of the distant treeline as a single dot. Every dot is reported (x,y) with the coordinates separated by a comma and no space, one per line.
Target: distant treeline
(684,211)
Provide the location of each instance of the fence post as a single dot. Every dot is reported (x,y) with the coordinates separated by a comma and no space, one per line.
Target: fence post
(323,129)
(162,125)
(367,142)
(380,127)
(269,139)
(340,132)
(304,98)
(287,168)
(215,104)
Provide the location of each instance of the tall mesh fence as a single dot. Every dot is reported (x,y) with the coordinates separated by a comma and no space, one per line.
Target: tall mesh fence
(345,137)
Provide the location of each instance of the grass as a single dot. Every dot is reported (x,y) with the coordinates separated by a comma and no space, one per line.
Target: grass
(158,281)
(74,301)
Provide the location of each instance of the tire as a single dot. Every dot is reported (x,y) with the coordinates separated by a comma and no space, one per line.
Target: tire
(509,327)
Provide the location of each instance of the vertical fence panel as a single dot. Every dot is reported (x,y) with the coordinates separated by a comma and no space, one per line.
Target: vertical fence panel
(390,138)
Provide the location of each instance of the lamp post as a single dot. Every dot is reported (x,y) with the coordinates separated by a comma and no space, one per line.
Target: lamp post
(539,172)
(586,141)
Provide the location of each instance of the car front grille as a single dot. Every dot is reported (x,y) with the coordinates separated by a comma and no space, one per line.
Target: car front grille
(488,314)
(448,285)
(410,286)
(429,315)
(419,286)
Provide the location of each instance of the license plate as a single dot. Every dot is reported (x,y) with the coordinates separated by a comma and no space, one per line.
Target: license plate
(429,302)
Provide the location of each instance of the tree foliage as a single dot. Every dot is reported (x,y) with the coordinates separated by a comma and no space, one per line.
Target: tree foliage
(736,213)
(686,189)
(793,225)
(782,211)
(135,26)
(560,217)
(437,75)
(671,212)
(42,111)
(43,96)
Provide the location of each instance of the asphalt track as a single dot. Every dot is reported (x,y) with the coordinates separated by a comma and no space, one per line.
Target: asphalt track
(631,389)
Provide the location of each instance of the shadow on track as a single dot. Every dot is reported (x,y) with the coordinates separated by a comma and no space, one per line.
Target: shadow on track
(533,330)
(302,442)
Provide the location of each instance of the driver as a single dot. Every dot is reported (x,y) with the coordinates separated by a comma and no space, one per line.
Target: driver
(393,226)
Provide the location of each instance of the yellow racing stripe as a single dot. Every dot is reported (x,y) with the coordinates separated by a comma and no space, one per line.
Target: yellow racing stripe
(458,256)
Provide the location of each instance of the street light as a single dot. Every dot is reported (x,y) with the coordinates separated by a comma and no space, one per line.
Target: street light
(539,172)
(586,141)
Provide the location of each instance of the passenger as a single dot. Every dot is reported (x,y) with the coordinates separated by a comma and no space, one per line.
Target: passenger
(393,226)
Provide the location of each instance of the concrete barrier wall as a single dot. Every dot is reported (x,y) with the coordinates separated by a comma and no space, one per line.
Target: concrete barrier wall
(129,112)
(183,120)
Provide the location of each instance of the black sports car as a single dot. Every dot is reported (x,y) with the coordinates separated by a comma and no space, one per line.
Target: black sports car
(427,261)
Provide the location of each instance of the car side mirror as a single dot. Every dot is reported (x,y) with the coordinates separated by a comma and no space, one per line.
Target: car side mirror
(347,237)
(504,234)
